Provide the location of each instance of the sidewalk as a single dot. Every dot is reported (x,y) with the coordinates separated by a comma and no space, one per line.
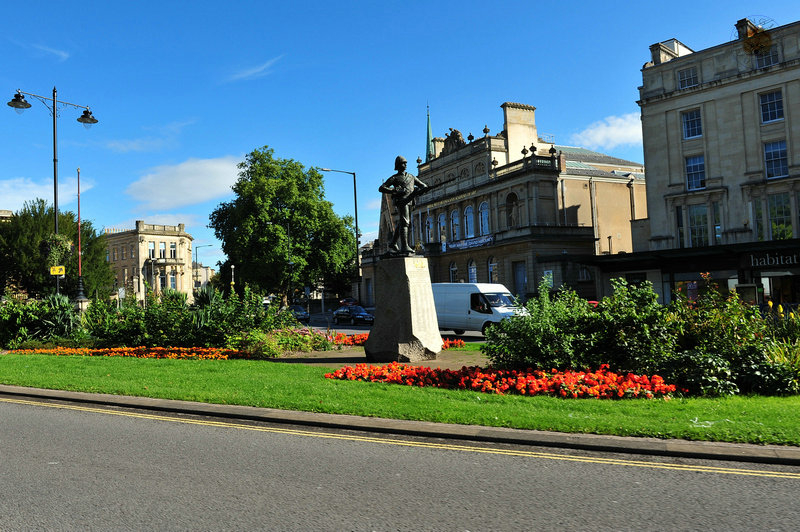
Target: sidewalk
(768,454)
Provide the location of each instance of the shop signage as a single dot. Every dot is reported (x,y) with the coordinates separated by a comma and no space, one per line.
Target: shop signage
(773,259)
(471,243)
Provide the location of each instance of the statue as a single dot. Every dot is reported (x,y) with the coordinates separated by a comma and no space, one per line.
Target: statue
(403,188)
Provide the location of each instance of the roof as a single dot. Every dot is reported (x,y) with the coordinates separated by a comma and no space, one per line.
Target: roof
(585,155)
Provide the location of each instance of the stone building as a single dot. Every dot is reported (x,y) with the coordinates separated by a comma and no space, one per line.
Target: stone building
(721,130)
(154,256)
(513,208)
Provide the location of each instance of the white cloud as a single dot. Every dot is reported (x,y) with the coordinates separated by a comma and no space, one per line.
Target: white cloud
(61,55)
(611,132)
(188,183)
(255,72)
(165,138)
(16,191)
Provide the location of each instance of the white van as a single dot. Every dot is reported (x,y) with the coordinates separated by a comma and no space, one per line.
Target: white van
(472,306)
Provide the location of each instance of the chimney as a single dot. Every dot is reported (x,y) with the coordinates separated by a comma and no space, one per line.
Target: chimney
(745,28)
(520,127)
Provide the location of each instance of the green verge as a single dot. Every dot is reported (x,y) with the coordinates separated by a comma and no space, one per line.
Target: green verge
(763,420)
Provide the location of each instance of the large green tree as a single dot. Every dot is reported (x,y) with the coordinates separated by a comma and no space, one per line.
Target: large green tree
(279,231)
(28,249)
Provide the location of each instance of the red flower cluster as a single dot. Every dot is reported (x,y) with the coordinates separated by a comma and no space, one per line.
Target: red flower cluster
(359,339)
(455,342)
(175,353)
(600,384)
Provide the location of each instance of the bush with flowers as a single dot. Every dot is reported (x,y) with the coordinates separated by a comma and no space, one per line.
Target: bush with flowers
(175,353)
(600,384)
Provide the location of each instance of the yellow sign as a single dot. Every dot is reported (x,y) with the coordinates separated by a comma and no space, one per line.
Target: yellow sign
(56,270)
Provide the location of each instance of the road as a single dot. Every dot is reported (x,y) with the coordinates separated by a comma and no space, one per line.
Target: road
(73,466)
(323,322)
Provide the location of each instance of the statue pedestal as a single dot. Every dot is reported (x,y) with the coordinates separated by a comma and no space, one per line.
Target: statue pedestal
(406,328)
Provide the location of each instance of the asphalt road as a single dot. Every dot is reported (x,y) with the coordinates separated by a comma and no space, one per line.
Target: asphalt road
(70,467)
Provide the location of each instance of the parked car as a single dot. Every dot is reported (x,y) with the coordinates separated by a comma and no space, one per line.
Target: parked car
(348,301)
(299,313)
(352,314)
(472,306)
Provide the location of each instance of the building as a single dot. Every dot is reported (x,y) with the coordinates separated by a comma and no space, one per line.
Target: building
(514,208)
(721,130)
(201,274)
(154,257)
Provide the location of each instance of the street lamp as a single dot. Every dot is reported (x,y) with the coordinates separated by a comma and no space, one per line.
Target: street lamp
(197,265)
(358,234)
(19,104)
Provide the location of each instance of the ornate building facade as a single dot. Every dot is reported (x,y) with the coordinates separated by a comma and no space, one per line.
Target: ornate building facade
(154,256)
(513,208)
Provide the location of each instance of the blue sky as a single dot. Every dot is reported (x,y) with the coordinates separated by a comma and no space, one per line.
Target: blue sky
(183,91)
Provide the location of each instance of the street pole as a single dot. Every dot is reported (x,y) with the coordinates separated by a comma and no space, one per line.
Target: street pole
(19,104)
(358,233)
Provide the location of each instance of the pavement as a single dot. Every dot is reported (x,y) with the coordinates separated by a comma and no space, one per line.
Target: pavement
(769,454)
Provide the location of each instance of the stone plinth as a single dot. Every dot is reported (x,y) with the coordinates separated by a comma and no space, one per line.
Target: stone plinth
(406,328)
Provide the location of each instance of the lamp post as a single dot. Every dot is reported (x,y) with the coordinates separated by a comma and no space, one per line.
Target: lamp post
(358,234)
(197,265)
(19,104)
(80,298)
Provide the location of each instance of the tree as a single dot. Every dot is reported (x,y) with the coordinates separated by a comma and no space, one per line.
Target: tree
(28,247)
(279,232)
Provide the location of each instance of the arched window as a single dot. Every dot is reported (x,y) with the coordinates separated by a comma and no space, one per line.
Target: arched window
(453,272)
(442,228)
(492,270)
(454,226)
(512,210)
(472,271)
(483,218)
(429,230)
(469,222)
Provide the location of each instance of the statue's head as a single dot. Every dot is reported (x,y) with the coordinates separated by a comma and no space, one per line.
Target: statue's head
(399,163)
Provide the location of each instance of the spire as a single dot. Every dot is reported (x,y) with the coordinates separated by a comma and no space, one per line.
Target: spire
(429,146)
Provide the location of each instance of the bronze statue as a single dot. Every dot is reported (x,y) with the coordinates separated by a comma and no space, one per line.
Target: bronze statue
(403,188)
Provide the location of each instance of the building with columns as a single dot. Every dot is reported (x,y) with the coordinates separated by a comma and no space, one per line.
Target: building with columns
(151,256)
(514,208)
(721,130)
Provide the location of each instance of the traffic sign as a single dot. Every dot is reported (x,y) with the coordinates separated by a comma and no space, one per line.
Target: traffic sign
(57,270)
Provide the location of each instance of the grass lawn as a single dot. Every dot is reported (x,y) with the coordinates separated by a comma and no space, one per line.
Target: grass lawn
(773,420)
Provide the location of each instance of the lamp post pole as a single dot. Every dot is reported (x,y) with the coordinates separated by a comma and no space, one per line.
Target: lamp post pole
(358,233)
(197,265)
(19,104)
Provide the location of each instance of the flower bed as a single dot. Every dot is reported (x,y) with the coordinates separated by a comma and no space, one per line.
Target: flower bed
(359,339)
(600,384)
(175,353)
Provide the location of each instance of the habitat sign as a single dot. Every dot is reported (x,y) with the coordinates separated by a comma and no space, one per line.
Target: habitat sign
(774,259)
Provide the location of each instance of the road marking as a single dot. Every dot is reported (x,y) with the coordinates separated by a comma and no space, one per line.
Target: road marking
(421,444)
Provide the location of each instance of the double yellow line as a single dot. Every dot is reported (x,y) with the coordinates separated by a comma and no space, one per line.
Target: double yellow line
(422,444)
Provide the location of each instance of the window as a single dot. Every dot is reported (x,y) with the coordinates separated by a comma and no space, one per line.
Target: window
(775,160)
(173,280)
(696,172)
(679,225)
(122,252)
(454,226)
(469,223)
(765,58)
(771,106)
(162,250)
(483,218)
(429,230)
(162,280)
(758,212)
(151,250)
(173,250)
(698,225)
(780,216)
(472,271)
(108,255)
(442,228)
(687,78)
(492,270)
(453,272)
(692,125)
(717,223)
(114,254)
(133,253)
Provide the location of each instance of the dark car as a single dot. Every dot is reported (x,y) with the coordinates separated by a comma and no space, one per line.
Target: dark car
(299,313)
(352,314)
(348,301)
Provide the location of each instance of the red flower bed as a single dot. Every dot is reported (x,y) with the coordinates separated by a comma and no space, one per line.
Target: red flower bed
(600,384)
(359,339)
(194,353)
